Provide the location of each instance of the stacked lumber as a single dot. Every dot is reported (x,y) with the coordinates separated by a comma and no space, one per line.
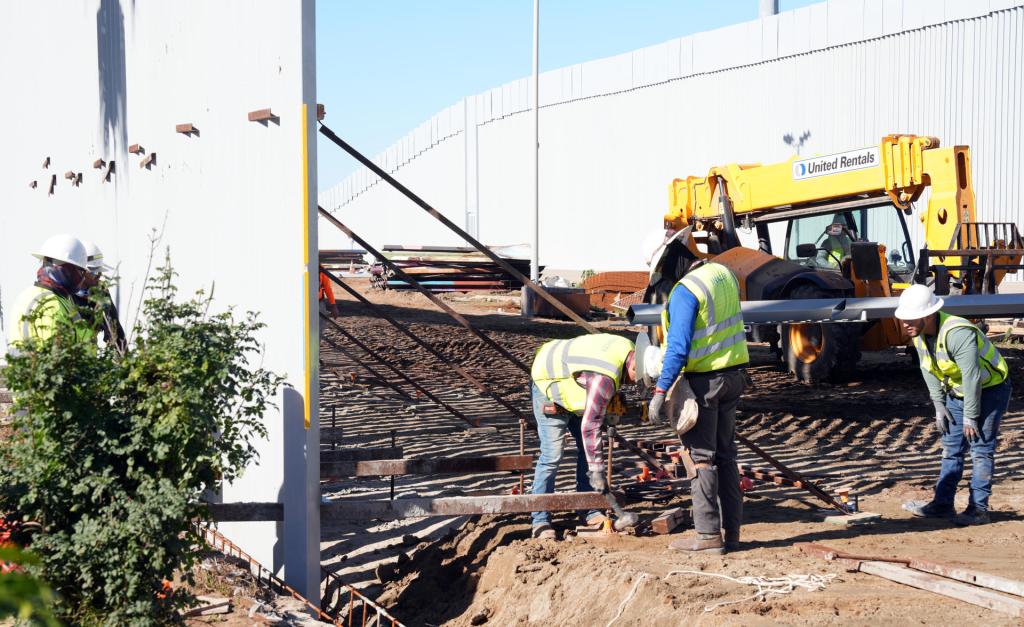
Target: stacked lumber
(343,260)
(456,268)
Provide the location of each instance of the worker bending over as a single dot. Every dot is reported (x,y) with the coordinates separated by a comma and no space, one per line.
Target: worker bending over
(573,381)
(968,383)
(702,371)
(51,299)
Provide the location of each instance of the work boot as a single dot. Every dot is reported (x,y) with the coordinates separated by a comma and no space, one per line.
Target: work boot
(972,517)
(701,543)
(544,531)
(732,540)
(929,509)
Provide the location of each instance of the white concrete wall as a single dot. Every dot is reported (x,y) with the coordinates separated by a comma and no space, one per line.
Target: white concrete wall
(86,79)
(616,131)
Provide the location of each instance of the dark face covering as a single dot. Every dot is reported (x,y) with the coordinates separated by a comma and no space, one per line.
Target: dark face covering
(59,277)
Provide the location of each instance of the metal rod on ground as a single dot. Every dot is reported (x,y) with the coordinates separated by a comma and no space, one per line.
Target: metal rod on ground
(540,291)
(430,349)
(422,390)
(365,365)
(522,451)
(334,424)
(401,274)
(793,475)
(393,444)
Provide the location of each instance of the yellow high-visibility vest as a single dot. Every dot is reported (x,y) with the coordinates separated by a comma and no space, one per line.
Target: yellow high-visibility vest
(558,362)
(37,313)
(992,365)
(719,340)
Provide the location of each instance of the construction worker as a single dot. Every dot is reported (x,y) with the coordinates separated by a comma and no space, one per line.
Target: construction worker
(93,293)
(327,302)
(968,384)
(837,244)
(51,300)
(573,382)
(706,342)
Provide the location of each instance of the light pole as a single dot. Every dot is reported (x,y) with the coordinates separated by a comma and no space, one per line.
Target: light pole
(534,248)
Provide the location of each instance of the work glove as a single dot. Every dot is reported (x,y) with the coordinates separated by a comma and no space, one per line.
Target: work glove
(597,481)
(689,412)
(654,408)
(942,417)
(971,431)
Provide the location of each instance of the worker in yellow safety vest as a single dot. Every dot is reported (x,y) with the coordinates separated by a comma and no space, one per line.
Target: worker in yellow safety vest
(51,300)
(93,295)
(700,371)
(573,382)
(969,385)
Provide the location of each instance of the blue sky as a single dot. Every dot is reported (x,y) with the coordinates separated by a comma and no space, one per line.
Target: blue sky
(385,66)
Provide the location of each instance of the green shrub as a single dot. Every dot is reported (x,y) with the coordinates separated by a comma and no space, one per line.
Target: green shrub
(111,451)
(22,596)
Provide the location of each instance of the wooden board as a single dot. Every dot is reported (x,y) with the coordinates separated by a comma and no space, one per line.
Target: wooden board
(667,522)
(859,518)
(946,587)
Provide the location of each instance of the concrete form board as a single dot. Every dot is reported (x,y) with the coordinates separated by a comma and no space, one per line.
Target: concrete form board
(228,203)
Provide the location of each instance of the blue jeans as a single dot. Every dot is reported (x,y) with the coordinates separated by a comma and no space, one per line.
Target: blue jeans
(994,401)
(551,432)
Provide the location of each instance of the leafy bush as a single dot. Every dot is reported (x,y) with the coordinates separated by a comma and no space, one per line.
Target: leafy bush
(112,450)
(22,596)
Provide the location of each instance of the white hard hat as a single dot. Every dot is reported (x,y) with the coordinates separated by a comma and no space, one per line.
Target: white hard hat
(648,360)
(94,257)
(916,302)
(64,248)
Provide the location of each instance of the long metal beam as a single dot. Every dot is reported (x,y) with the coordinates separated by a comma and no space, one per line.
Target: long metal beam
(849,309)
(361,454)
(535,287)
(461,506)
(379,311)
(335,511)
(422,390)
(402,274)
(436,466)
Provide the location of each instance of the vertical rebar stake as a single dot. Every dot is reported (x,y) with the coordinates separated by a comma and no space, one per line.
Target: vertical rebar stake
(334,425)
(392,476)
(608,479)
(522,451)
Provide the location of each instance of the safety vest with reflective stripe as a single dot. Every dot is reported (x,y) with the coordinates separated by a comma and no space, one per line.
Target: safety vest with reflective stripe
(992,365)
(38,311)
(558,362)
(719,340)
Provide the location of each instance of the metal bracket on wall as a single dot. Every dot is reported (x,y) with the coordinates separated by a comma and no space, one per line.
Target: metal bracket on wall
(53,184)
(149,161)
(136,149)
(34,184)
(263,116)
(188,129)
(46,162)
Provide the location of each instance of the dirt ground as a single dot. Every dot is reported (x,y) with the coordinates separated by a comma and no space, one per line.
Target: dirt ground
(874,435)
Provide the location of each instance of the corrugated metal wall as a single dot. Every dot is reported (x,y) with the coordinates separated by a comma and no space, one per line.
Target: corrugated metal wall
(615,131)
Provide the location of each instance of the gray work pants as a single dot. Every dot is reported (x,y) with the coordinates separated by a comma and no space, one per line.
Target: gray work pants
(712,445)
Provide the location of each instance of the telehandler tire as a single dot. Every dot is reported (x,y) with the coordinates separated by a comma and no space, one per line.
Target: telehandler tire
(816,352)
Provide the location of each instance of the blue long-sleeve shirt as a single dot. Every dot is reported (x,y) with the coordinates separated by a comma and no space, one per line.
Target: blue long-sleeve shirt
(682,314)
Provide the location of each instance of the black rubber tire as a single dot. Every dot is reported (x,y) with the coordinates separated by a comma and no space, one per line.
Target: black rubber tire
(839,346)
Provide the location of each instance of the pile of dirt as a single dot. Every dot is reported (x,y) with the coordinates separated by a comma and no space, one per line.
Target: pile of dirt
(492,573)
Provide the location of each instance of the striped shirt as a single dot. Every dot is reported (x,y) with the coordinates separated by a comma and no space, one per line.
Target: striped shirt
(600,390)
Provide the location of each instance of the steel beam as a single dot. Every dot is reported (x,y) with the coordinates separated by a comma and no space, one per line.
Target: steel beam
(793,475)
(535,287)
(245,512)
(460,506)
(361,454)
(436,466)
(848,309)
(402,274)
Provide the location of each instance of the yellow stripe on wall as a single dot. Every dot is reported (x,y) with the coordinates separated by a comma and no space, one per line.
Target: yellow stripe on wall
(308,393)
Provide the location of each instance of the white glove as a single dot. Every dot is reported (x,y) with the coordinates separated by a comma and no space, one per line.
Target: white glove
(690,410)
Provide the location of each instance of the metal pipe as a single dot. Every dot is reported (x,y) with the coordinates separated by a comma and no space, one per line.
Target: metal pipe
(487,252)
(432,298)
(535,151)
(430,349)
(768,8)
(422,390)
